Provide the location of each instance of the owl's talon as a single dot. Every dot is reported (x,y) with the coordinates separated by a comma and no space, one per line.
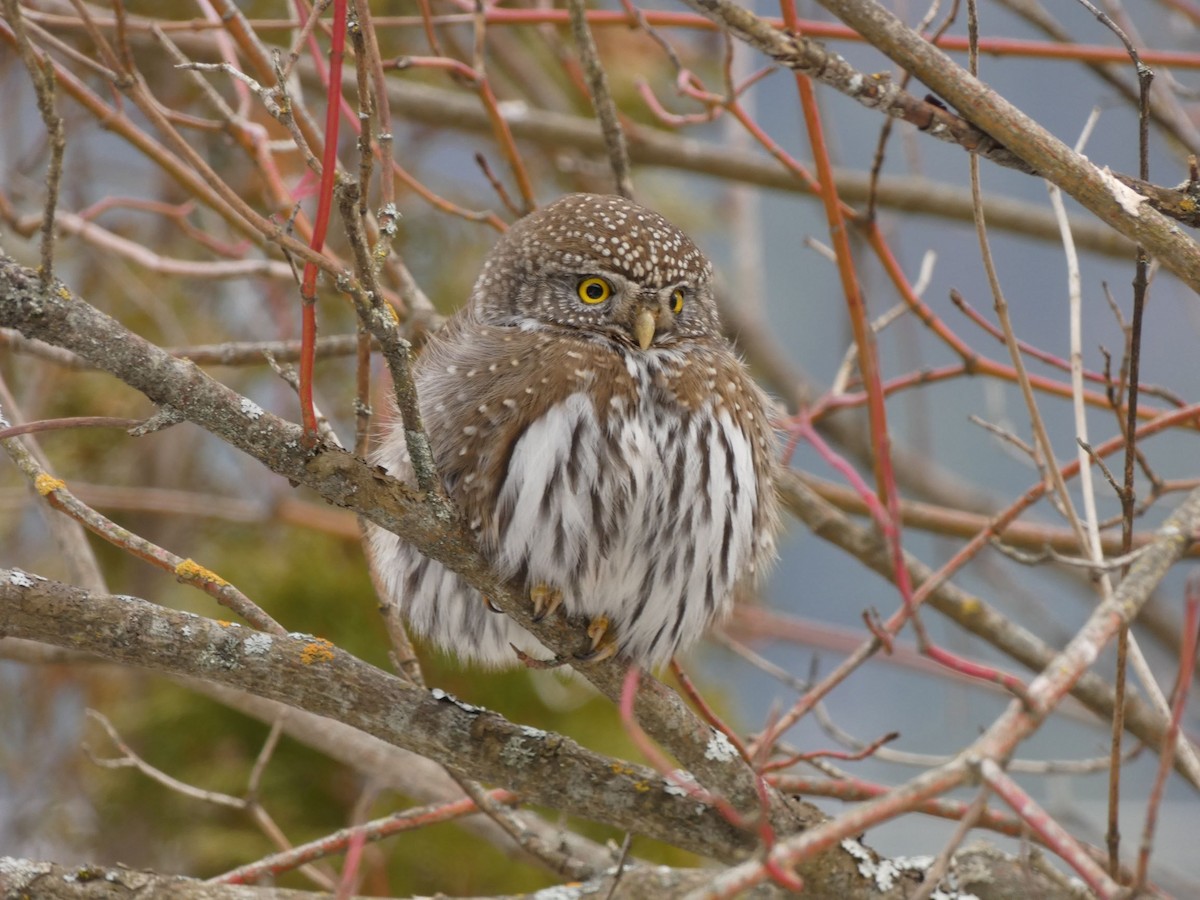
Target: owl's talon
(491,607)
(545,600)
(603,642)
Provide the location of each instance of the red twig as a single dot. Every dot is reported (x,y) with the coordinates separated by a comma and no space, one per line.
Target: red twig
(870,619)
(676,120)
(427,23)
(1049,358)
(995,527)
(354,852)
(1056,837)
(278,863)
(72,422)
(801,426)
(688,84)
(1010,47)
(308,286)
(856,789)
(1166,757)
(845,755)
(659,760)
(766,833)
(864,337)
(707,712)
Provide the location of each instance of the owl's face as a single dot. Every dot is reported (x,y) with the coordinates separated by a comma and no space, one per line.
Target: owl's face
(602,265)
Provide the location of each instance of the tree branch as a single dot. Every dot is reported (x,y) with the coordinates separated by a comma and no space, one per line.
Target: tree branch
(311,674)
(989,125)
(1097,190)
(53,881)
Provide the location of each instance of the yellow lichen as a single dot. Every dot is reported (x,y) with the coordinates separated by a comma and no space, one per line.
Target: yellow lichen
(316,650)
(190,570)
(48,484)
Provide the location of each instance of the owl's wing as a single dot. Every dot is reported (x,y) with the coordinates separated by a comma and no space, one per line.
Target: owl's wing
(436,602)
(481,386)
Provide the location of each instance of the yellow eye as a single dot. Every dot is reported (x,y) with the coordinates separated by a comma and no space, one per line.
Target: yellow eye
(594,290)
(676,301)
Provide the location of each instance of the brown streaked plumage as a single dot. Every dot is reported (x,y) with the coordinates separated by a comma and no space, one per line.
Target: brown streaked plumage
(602,439)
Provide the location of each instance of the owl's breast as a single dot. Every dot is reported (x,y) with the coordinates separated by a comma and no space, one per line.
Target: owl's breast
(638,502)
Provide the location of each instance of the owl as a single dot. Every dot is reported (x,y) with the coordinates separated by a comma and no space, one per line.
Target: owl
(608,449)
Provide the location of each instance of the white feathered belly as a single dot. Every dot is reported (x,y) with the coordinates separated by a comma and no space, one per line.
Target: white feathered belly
(646,517)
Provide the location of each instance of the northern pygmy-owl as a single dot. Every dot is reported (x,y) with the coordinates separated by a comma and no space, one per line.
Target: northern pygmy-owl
(606,446)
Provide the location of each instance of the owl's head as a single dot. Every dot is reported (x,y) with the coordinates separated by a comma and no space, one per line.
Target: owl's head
(603,265)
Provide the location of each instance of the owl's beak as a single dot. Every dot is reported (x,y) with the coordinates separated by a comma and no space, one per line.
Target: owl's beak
(643,327)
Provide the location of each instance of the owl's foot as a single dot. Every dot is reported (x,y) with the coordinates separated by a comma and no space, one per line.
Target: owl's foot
(603,641)
(545,600)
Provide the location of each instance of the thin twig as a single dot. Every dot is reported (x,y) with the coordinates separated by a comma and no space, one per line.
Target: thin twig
(1128,498)
(602,101)
(381,321)
(375,830)
(41,73)
(555,859)
(59,496)
(130,760)
(940,866)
